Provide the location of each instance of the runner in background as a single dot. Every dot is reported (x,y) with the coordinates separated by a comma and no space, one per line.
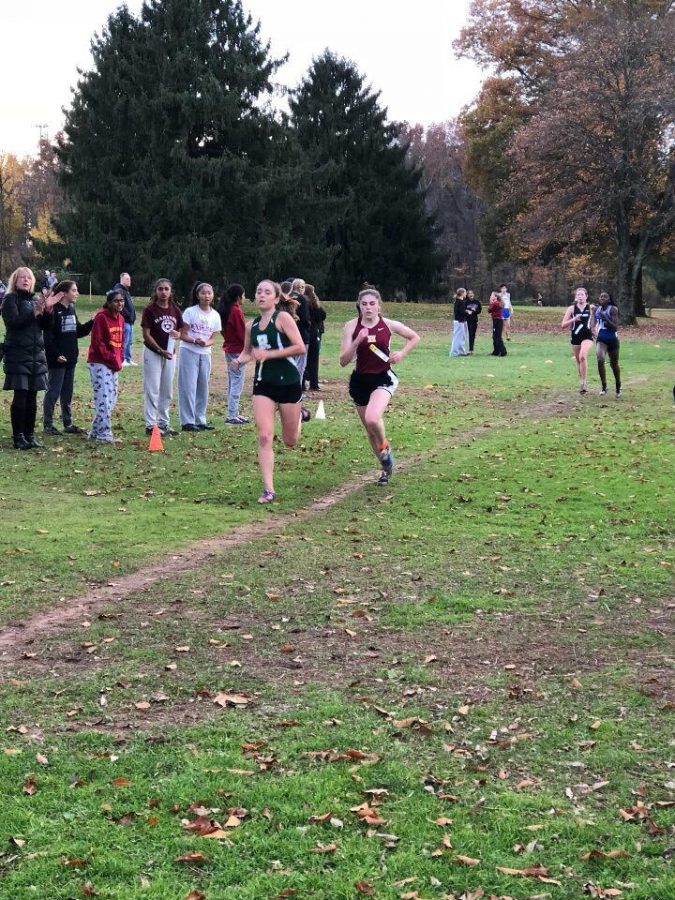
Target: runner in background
(373,383)
(578,318)
(507,310)
(607,336)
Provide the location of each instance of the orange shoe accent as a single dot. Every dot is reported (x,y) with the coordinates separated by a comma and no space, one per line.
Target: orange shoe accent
(155,440)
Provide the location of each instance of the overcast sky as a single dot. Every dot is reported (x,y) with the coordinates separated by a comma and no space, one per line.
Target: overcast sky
(404,51)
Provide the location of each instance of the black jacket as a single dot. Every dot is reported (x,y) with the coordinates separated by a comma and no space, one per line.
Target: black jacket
(304,324)
(24,342)
(317,316)
(476,306)
(459,314)
(129,311)
(62,329)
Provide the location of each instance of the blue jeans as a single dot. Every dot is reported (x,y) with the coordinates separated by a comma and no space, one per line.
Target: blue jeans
(128,338)
(235,385)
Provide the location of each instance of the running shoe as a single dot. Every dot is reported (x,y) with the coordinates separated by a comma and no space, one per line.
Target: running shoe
(50,429)
(583,390)
(618,395)
(387,460)
(305,414)
(266,497)
(383,479)
(236,420)
(73,429)
(603,392)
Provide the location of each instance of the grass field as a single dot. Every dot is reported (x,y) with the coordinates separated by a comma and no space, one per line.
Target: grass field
(459,686)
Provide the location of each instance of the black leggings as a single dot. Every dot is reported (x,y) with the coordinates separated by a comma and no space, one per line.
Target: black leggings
(23,411)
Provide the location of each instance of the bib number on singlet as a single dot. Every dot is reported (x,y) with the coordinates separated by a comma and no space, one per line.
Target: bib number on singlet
(263,342)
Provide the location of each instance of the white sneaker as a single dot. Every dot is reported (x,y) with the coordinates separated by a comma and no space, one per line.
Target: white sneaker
(125,364)
(132,363)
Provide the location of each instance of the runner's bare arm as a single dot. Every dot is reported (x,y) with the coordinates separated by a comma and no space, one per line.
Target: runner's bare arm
(349,346)
(568,318)
(411,338)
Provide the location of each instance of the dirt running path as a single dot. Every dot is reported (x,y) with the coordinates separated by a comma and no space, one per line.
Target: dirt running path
(15,638)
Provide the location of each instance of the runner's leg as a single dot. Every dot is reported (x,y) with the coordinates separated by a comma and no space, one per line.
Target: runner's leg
(263,410)
(602,371)
(291,423)
(614,363)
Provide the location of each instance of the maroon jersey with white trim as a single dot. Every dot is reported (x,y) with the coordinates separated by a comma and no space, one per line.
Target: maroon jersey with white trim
(367,362)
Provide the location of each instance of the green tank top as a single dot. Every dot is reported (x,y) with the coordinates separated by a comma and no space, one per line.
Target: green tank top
(274,371)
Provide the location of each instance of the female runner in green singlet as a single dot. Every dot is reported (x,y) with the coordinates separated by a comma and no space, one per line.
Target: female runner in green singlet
(273,341)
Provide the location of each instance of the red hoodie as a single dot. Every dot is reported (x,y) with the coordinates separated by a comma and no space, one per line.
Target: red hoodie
(107,340)
(235,330)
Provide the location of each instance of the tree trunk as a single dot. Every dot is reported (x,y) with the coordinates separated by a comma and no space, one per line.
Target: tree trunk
(639,298)
(628,274)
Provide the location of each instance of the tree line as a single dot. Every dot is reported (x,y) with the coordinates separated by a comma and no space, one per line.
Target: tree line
(174,159)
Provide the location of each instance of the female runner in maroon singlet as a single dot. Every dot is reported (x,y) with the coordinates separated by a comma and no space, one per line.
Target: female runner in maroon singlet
(372,383)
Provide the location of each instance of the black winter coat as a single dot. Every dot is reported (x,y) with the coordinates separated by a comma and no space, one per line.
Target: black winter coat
(24,342)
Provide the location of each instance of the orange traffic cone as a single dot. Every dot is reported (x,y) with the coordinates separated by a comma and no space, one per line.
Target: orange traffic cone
(155,440)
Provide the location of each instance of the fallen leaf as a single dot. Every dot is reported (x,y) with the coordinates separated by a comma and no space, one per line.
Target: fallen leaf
(29,786)
(467,860)
(364,888)
(121,782)
(192,857)
(237,700)
(323,817)
(600,854)
(324,848)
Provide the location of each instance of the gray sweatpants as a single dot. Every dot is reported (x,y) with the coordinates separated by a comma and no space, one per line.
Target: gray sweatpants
(459,339)
(157,388)
(194,370)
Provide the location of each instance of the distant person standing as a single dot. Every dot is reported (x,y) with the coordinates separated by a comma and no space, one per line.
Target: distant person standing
(507,310)
(317,317)
(62,353)
(495,310)
(25,317)
(607,336)
(201,324)
(234,333)
(129,316)
(459,328)
(161,322)
(52,280)
(473,310)
(104,361)
(304,322)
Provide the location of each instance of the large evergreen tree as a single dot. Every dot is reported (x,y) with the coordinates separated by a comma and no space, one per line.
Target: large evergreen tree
(170,151)
(363,215)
